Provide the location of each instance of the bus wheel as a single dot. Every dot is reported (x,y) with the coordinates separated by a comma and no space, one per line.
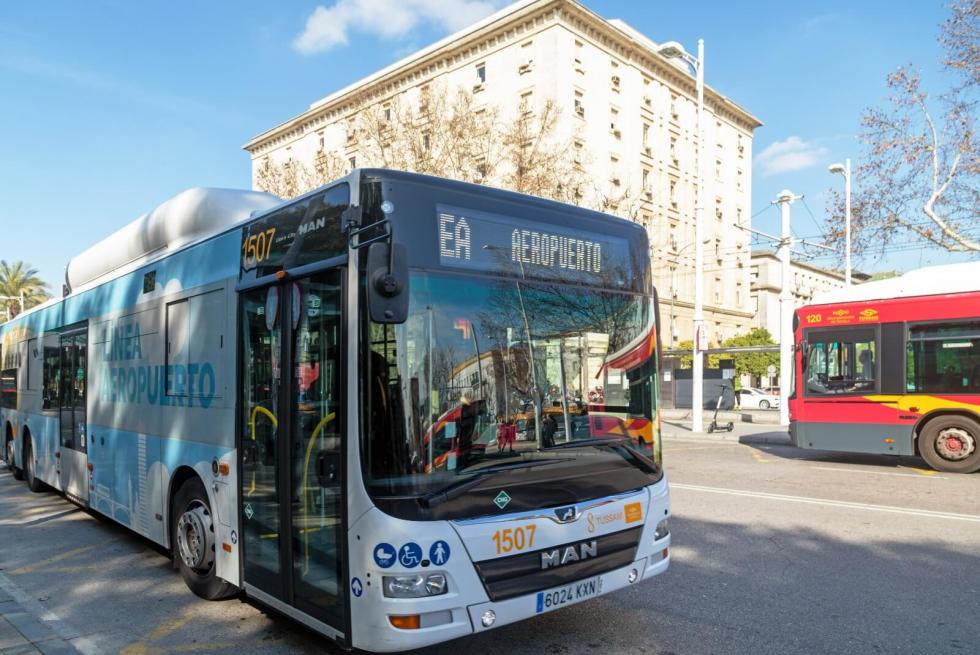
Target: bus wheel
(11,461)
(193,544)
(8,453)
(33,483)
(951,444)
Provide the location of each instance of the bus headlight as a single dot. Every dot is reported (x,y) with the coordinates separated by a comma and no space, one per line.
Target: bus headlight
(414,586)
(661,531)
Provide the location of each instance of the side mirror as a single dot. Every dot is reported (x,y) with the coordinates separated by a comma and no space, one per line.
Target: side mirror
(387,283)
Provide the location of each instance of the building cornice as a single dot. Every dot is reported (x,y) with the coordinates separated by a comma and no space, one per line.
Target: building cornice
(505,26)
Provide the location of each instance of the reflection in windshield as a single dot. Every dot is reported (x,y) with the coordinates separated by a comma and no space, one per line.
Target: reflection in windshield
(486,370)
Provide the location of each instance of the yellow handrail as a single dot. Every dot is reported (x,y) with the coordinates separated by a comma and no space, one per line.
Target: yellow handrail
(306,473)
(275,423)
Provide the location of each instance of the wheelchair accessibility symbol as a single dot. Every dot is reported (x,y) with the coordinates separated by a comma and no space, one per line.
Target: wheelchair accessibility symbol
(410,555)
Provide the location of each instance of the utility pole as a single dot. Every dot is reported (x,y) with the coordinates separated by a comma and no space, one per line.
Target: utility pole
(845,170)
(784,200)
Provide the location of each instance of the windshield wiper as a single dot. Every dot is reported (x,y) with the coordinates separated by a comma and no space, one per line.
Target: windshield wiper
(455,489)
(624,442)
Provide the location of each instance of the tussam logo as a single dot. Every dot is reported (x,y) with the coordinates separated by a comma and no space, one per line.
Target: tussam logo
(869,314)
(567,514)
(569,554)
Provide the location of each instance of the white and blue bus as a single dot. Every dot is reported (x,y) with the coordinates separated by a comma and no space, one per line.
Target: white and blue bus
(314,402)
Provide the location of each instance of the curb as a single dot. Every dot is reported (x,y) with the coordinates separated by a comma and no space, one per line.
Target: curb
(766,438)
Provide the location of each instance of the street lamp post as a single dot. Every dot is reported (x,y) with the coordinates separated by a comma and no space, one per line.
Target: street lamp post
(845,170)
(674,50)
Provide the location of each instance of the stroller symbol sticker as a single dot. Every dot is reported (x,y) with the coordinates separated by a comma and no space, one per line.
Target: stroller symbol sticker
(439,553)
(384,555)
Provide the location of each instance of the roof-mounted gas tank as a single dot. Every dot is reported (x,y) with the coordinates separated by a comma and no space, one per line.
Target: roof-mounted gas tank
(189,217)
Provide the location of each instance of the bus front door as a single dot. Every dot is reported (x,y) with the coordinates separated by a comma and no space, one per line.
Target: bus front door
(73,453)
(291,449)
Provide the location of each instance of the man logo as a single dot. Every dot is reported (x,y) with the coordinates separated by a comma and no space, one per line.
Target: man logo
(567,514)
(569,554)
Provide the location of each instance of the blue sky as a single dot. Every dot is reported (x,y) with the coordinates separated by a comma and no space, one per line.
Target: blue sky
(109,107)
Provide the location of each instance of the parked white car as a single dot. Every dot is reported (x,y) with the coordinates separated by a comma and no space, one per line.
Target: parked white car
(752,398)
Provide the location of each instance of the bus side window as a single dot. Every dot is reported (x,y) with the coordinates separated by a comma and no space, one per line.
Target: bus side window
(944,358)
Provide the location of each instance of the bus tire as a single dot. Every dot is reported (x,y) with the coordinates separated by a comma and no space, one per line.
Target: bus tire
(951,444)
(30,474)
(8,451)
(193,542)
(11,459)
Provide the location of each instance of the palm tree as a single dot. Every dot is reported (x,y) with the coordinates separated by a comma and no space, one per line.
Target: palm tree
(20,280)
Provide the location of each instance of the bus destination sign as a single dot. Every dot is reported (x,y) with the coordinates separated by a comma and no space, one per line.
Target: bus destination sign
(479,240)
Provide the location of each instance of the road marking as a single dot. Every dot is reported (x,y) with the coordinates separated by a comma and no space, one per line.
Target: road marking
(921,471)
(30,568)
(901,475)
(755,454)
(972,518)
(57,624)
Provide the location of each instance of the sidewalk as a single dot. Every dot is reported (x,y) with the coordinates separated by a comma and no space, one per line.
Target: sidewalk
(747,433)
(756,416)
(26,627)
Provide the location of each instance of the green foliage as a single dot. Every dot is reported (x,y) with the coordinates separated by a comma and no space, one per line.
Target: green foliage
(18,278)
(755,364)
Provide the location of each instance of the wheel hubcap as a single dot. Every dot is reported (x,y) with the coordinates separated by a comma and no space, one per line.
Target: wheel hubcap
(955,444)
(195,538)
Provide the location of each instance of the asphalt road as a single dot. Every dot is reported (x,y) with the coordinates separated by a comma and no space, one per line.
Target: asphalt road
(775,550)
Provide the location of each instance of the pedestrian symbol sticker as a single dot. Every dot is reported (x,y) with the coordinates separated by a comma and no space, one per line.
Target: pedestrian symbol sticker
(384,555)
(501,500)
(356,587)
(410,555)
(439,553)
(249,512)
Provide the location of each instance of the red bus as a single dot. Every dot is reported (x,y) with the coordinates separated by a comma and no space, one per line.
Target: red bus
(893,367)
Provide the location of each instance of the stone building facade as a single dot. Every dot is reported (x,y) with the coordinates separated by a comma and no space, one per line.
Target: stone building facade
(631,113)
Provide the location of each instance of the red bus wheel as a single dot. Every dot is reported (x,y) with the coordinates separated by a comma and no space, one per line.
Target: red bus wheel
(951,444)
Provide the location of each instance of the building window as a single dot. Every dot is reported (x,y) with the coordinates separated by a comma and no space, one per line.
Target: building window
(614,122)
(579,106)
(673,150)
(527,103)
(673,194)
(741,148)
(718,213)
(673,106)
(481,72)
(353,162)
(425,141)
(578,152)
(646,138)
(738,294)
(738,180)
(738,215)
(526,61)
(718,169)
(387,113)
(717,289)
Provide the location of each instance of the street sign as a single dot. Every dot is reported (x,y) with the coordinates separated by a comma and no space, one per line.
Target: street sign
(771,370)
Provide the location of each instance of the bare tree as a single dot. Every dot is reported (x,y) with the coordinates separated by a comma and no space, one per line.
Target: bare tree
(450,134)
(922,165)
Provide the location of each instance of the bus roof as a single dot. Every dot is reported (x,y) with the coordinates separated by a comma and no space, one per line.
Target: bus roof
(949,278)
(189,217)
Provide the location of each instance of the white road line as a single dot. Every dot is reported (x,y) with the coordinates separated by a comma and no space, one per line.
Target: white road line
(829,503)
(917,476)
(57,624)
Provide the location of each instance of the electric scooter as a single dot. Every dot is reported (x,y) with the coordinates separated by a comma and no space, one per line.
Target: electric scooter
(714,427)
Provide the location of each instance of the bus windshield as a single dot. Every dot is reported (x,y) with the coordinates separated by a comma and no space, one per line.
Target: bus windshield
(490,371)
